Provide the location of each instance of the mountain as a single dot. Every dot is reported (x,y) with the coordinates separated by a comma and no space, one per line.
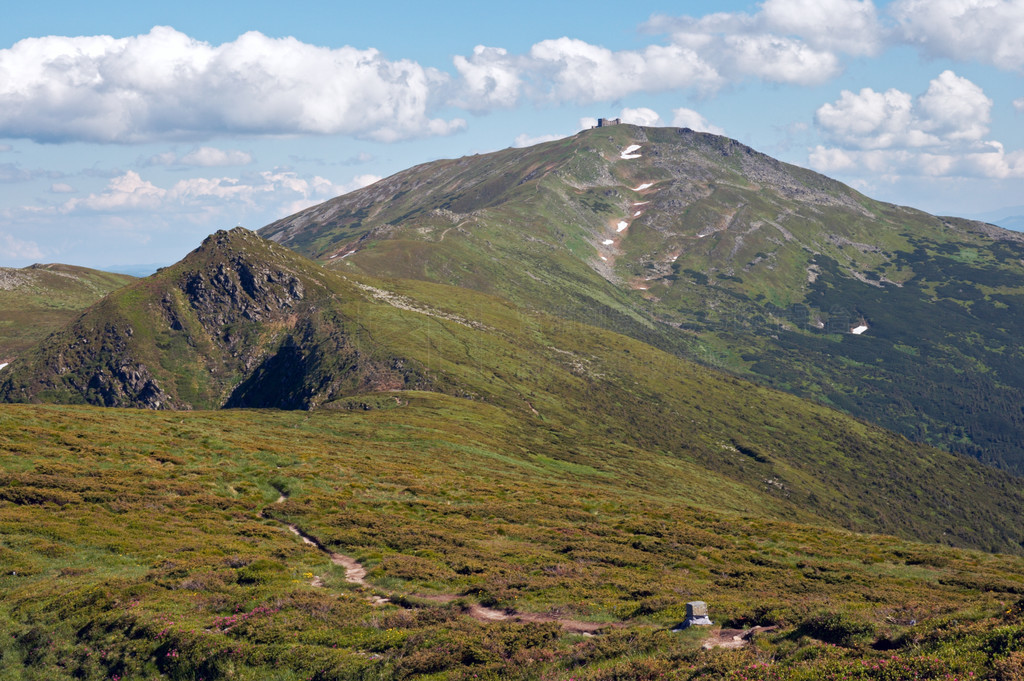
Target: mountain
(239,322)
(40,299)
(244,322)
(710,250)
(453,486)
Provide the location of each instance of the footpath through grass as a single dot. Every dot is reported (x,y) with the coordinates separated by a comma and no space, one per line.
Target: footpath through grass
(133,547)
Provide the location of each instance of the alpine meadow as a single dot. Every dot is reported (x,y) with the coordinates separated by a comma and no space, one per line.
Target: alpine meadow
(510,416)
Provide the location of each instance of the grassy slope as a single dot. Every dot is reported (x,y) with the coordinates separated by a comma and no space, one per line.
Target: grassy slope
(145,556)
(721,257)
(36,301)
(632,407)
(580,472)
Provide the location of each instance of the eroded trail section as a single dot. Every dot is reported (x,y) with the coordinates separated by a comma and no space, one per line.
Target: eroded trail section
(355,573)
(734,638)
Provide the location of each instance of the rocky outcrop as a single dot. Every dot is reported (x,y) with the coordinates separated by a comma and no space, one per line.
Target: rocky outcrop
(240,322)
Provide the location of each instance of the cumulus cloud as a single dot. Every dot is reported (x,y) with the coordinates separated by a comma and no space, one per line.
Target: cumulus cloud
(12,248)
(681,118)
(166,85)
(787,41)
(571,70)
(688,118)
(848,26)
(641,116)
(988,31)
(61,188)
(278,191)
(952,110)
(490,79)
(567,69)
(781,60)
(892,133)
(201,157)
(1018,104)
(525,140)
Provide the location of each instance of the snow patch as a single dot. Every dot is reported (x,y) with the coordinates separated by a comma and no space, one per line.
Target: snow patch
(627,153)
(604,258)
(606,242)
(622,226)
(640,203)
(858,330)
(4,364)
(644,186)
(638,213)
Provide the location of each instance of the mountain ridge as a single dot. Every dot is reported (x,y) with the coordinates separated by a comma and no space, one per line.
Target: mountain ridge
(703,247)
(39,299)
(243,322)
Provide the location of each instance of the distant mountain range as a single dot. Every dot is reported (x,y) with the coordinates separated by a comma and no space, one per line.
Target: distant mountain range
(1007,218)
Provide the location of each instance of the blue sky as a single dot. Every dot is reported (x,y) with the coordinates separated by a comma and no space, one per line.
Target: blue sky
(129,131)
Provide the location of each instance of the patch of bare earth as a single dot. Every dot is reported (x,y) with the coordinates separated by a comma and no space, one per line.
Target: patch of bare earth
(733,638)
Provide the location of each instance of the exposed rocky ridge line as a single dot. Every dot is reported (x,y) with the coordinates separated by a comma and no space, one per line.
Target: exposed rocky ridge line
(240,322)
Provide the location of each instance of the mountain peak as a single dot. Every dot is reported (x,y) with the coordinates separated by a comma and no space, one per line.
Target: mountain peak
(239,322)
(702,246)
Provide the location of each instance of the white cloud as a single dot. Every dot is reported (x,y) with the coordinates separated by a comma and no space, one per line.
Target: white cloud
(525,140)
(831,160)
(787,41)
(688,118)
(891,134)
(61,188)
(199,198)
(1018,104)
(566,69)
(202,157)
(681,118)
(5,147)
(849,26)
(952,110)
(490,79)
(166,85)
(12,248)
(125,192)
(989,31)
(955,109)
(781,60)
(641,116)
(869,119)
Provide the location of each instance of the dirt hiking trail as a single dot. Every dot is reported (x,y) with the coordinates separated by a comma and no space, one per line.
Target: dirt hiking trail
(355,573)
